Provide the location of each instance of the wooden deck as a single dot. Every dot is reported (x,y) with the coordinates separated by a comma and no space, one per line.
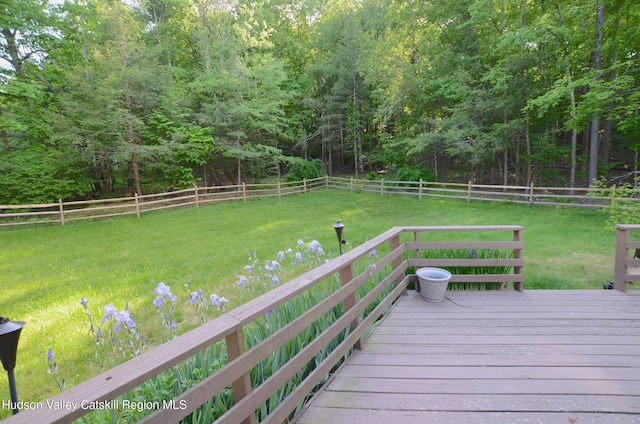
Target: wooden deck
(493,357)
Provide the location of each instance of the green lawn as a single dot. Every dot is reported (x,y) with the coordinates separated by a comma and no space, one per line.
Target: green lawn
(45,270)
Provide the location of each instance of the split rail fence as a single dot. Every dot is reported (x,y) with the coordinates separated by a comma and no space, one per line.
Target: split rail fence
(63,212)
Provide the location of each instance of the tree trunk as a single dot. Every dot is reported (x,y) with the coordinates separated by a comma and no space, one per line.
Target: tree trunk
(595,121)
(3,135)
(136,174)
(574,131)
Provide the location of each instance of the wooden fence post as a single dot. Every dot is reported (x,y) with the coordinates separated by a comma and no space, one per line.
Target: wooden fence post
(469,192)
(242,386)
(613,195)
(420,190)
(351,185)
(61,211)
(326,182)
(304,185)
(137,205)
(197,199)
(279,191)
(244,191)
(531,194)
(381,187)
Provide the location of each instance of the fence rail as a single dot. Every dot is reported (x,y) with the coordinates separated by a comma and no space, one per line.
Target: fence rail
(62,212)
(391,275)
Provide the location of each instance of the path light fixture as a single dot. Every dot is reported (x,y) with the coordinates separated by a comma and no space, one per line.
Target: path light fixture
(339,226)
(9,336)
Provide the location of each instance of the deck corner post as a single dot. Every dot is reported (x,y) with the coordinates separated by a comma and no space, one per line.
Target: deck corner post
(620,267)
(517,254)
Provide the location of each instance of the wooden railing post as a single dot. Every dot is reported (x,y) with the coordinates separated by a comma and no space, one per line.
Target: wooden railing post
(517,254)
(304,186)
(381,187)
(620,267)
(420,190)
(469,192)
(61,208)
(346,275)
(394,243)
(279,191)
(197,198)
(242,386)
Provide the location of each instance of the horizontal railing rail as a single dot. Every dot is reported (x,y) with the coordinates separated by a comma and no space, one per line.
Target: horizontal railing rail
(62,212)
(627,261)
(396,252)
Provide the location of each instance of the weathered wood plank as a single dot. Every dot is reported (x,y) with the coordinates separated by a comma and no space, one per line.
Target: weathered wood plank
(504,340)
(368,358)
(519,327)
(492,372)
(495,386)
(411,349)
(480,402)
(359,416)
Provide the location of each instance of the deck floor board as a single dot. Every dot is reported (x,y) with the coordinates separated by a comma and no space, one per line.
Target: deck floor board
(494,357)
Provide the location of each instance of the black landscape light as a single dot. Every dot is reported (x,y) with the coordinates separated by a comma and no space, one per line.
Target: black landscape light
(339,226)
(9,335)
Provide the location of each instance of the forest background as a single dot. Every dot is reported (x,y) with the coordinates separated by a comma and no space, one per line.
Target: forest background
(101,98)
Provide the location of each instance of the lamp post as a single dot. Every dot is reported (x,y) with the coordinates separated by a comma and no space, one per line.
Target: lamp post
(9,335)
(339,226)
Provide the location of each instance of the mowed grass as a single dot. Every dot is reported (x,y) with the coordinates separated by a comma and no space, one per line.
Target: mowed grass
(45,270)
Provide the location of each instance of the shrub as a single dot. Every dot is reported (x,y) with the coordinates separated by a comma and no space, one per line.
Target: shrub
(623,209)
(306,169)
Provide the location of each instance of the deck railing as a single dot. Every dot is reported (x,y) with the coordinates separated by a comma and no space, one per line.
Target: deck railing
(397,250)
(627,262)
(62,212)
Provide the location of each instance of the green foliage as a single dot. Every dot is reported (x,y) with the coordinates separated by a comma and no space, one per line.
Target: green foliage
(141,91)
(624,207)
(40,175)
(412,173)
(306,169)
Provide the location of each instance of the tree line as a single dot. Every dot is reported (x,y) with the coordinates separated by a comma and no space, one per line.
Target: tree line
(106,97)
